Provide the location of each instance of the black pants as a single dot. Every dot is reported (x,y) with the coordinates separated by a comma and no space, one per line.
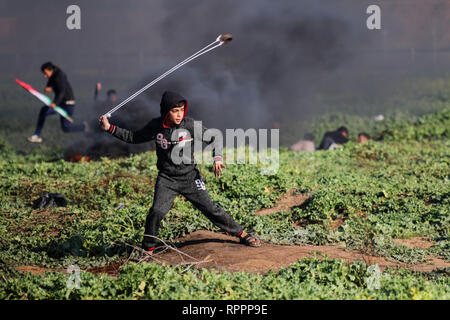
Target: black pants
(192,187)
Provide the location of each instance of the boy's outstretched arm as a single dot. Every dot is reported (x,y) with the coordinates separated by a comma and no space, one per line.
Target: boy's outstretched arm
(217,154)
(145,134)
(218,165)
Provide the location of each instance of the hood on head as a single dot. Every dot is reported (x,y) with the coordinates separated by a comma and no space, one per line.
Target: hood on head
(168,101)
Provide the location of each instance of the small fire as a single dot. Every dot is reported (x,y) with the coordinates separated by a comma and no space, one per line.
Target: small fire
(79,158)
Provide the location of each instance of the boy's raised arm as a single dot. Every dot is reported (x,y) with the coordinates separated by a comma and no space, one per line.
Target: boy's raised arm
(146,134)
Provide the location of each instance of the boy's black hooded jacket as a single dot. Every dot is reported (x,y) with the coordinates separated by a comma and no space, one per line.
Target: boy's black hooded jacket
(61,87)
(157,130)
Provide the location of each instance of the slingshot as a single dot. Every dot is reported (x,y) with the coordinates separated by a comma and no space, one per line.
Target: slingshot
(221,39)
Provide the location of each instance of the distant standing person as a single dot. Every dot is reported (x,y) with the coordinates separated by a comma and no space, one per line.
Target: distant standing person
(306,144)
(103,106)
(64,98)
(111,95)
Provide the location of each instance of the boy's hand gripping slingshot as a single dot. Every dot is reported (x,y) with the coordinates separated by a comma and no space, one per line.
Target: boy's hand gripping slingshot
(221,39)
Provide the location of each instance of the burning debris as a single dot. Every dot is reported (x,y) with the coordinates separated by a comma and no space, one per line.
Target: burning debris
(79,158)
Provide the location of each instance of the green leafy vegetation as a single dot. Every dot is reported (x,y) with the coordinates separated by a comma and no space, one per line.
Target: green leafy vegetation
(397,187)
(310,278)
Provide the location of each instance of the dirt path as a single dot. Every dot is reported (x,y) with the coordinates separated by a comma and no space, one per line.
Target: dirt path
(37,269)
(287,202)
(416,242)
(225,253)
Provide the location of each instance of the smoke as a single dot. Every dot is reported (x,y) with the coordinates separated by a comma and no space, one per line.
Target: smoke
(278,51)
(284,54)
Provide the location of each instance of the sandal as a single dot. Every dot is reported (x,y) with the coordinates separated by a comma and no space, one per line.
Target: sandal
(250,240)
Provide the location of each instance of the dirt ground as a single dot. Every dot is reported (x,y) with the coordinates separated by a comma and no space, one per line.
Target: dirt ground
(205,249)
(37,269)
(287,202)
(224,252)
(417,242)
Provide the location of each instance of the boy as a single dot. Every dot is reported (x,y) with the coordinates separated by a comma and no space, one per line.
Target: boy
(64,98)
(174,179)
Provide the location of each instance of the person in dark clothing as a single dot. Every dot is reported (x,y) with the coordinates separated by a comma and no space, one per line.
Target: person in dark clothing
(111,96)
(173,178)
(332,139)
(102,106)
(96,144)
(64,98)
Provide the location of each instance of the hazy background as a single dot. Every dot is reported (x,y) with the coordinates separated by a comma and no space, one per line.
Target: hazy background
(289,60)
